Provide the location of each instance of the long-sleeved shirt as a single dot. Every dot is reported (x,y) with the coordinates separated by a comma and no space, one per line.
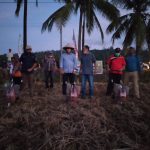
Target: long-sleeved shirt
(68,62)
(116,64)
(132,63)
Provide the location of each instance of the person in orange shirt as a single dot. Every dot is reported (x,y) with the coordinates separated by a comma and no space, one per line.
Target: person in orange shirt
(115,66)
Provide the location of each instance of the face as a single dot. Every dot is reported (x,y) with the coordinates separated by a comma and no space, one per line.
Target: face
(85,50)
(68,50)
(28,50)
(50,56)
(132,51)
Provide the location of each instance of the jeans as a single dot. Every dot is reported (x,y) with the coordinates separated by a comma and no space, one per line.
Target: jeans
(67,77)
(113,78)
(90,79)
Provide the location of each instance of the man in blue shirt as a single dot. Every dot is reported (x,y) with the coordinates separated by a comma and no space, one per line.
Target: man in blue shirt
(87,61)
(133,67)
(68,65)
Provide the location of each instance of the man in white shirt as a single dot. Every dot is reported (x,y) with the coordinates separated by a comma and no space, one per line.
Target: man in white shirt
(9,55)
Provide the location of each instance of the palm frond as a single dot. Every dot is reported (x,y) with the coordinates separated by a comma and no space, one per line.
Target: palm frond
(121,21)
(140,30)
(107,9)
(88,11)
(130,36)
(60,16)
(99,27)
(19,3)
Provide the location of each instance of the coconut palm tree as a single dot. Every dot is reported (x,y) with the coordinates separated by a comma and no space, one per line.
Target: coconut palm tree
(148,35)
(19,3)
(132,25)
(88,17)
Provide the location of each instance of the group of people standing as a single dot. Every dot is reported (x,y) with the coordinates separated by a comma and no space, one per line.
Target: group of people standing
(118,66)
(121,69)
(68,66)
(124,69)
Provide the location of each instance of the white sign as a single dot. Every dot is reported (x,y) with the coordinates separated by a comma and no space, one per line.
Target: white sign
(99,67)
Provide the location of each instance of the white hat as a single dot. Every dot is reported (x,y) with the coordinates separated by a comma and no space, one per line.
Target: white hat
(28,47)
(69,45)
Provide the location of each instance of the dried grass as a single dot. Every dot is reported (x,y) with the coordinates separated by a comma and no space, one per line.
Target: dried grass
(47,122)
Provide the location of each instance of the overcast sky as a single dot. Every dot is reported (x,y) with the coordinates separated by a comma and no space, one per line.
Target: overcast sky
(11,27)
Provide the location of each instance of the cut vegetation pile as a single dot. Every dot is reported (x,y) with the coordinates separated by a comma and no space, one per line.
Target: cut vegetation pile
(47,122)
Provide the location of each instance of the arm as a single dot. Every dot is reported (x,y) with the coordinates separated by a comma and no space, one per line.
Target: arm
(75,63)
(139,64)
(34,65)
(81,65)
(124,64)
(108,65)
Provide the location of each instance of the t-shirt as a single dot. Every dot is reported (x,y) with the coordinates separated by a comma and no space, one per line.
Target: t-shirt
(9,56)
(87,61)
(28,60)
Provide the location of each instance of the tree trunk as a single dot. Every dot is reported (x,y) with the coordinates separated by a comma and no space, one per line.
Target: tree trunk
(61,39)
(148,35)
(25,25)
(148,44)
(83,32)
(80,32)
(138,43)
(138,46)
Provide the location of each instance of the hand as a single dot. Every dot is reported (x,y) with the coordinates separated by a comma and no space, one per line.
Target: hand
(95,70)
(80,72)
(61,71)
(74,72)
(30,69)
(121,70)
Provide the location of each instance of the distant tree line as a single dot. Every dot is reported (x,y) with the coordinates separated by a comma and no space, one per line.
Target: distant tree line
(99,54)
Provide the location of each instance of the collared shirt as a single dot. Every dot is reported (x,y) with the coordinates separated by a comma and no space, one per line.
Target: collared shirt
(116,64)
(87,61)
(68,62)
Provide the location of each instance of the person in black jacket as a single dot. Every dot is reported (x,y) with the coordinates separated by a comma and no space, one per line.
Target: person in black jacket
(28,62)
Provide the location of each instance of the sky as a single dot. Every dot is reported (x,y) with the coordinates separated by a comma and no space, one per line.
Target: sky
(11,29)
